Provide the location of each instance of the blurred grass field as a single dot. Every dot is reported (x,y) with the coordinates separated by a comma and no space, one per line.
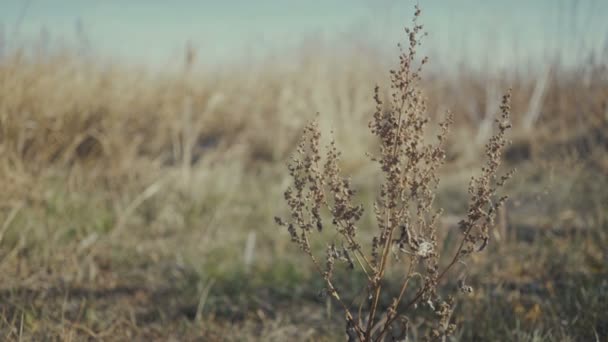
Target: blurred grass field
(139,205)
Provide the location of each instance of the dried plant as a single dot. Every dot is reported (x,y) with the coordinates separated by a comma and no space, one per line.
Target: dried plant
(406,218)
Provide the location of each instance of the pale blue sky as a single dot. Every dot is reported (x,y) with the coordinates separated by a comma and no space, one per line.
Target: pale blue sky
(152,32)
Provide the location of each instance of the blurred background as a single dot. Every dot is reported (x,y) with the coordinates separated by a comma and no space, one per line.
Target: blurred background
(143,147)
(153,33)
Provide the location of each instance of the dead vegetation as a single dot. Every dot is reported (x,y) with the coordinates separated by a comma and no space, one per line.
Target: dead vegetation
(130,197)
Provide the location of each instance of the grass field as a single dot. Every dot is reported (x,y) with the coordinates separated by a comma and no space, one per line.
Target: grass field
(139,205)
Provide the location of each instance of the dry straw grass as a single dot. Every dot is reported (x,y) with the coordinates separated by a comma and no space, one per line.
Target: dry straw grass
(405,216)
(128,194)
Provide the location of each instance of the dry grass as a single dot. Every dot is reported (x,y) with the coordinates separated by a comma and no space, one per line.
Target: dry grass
(129,198)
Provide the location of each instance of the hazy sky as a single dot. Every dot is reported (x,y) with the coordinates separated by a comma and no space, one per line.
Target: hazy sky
(153,31)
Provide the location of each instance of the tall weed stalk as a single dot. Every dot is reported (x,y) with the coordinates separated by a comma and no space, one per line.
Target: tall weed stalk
(407,221)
